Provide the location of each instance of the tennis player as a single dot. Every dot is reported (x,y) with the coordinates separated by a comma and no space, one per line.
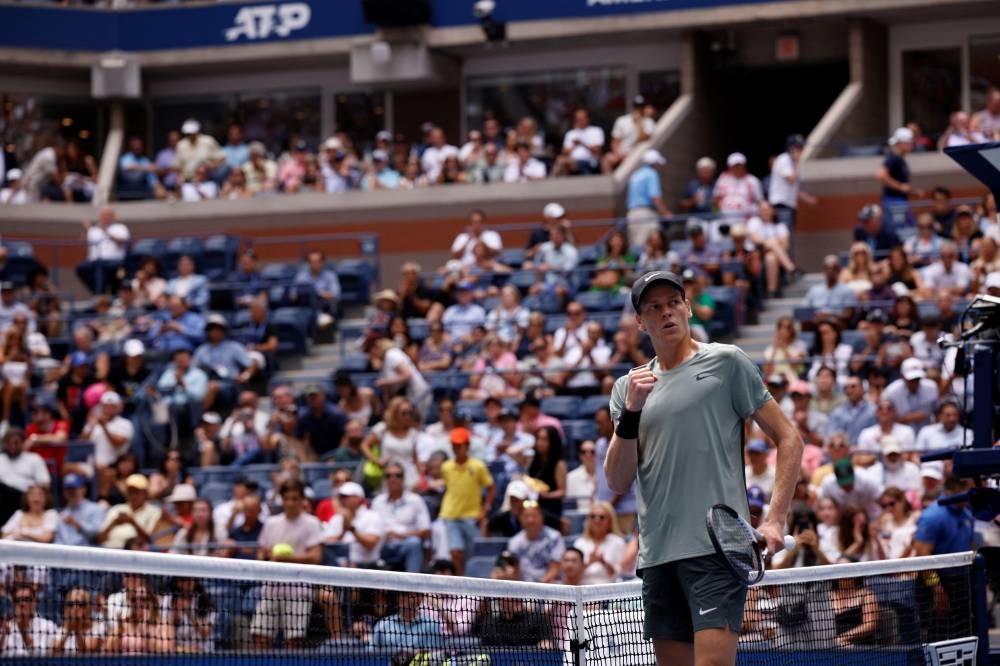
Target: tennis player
(679,428)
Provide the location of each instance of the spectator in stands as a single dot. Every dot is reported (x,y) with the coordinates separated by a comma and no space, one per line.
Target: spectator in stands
(759,471)
(110,432)
(913,394)
(413,178)
(894,175)
(174,326)
(393,440)
(855,607)
(433,158)
(80,520)
(148,284)
(236,150)
(11,307)
(893,470)
(857,274)
(784,191)
(548,465)
(406,519)
(80,633)
(107,245)
(656,254)
(615,265)
(284,608)
(987,264)
(323,280)
(925,246)
(135,518)
(628,131)
(947,433)
(898,522)
(417,300)
(702,304)
(552,215)
(459,319)
(582,147)
(601,545)
(363,529)
(959,132)
(19,470)
(202,536)
(523,169)
(260,171)
(192,286)
(195,149)
(987,121)
(137,173)
(320,424)
(235,186)
(830,297)
(170,474)
(511,622)
(226,361)
(409,629)
(192,614)
(79,174)
(947,273)
(873,231)
(645,198)
(70,391)
(142,629)
(358,403)
(849,485)
(581,483)
(870,438)
(966,235)
(853,415)
(247,531)
(463,508)
(381,175)
(800,399)
(35,521)
(397,373)
(165,163)
(463,247)
(829,351)
(771,234)
(786,353)
(737,192)
(26,633)
(698,196)
(587,364)
(13,192)
(539,548)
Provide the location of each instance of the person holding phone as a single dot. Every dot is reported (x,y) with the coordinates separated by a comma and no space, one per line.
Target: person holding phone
(680,423)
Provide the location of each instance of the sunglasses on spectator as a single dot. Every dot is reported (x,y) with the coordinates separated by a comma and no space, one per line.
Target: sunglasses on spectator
(76,603)
(587,452)
(597,516)
(405,412)
(23,599)
(888,505)
(574,313)
(393,475)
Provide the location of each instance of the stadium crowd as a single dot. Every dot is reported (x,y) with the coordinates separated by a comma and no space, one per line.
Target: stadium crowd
(465,433)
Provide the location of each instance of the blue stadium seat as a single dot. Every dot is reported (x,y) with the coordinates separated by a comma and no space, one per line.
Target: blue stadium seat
(420,329)
(475,409)
(803,313)
(523,280)
(561,407)
(851,336)
(142,248)
(594,301)
(354,362)
(216,492)
(293,326)
(808,338)
(590,405)
(355,281)
(724,322)
(863,150)
(570,503)
(512,257)
(479,567)
(576,520)
(589,254)
(322,487)
(20,261)
(579,430)
(280,272)
(335,554)
(489,546)
(218,258)
(546,303)
(553,324)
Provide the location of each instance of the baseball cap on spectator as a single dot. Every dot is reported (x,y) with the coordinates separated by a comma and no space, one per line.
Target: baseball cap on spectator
(137,481)
(913,368)
(890,445)
(963,210)
(530,400)
(79,358)
(736,158)
(553,211)
(521,490)
(133,347)
(704,163)
(211,417)
(386,295)
(795,141)
(183,492)
(380,156)
(190,126)
(648,280)
(901,135)
(257,148)
(758,446)
(800,387)
(507,559)
(992,280)
(694,228)
(638,100)
(216,320)
(466,285)
(877,316)
(777,379)
(350,489)
(110,398)
(460,436)
(14,174)
(843,469)
(181,346)
(426,127)
(73,481)
(671,258)
(653,156)
(508,413)
(301,146)
(312,389)
(689,275)
(756,496)
(333,143)
(383,135)
(933,470)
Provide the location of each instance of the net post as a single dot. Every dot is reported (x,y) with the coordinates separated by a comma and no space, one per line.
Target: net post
(980,610)
(579,646)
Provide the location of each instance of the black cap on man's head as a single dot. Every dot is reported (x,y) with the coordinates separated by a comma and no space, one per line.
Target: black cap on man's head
(643,283)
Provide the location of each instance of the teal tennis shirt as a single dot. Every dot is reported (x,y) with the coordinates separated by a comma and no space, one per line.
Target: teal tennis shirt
(691,448)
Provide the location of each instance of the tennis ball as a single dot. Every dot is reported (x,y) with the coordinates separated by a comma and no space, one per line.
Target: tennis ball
(282,550)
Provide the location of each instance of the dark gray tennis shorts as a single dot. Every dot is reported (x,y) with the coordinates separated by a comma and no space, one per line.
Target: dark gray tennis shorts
(686,596)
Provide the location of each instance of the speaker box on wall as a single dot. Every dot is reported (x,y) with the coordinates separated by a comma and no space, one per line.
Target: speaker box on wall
(396,13)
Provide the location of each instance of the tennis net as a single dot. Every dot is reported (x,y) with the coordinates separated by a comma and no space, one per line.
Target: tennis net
(69,605)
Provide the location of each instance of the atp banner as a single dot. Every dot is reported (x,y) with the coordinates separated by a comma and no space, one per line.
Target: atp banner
(229,23)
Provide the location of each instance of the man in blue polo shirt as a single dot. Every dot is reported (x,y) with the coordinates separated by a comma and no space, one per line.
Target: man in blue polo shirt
(645,198)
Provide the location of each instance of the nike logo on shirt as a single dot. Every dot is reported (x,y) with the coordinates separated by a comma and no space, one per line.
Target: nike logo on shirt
(706,611)
(702,375)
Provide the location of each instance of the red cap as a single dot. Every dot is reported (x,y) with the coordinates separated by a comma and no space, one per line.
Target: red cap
(460,436)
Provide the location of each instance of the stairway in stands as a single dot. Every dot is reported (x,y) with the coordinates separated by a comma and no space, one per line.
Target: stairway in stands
(755,339)
(324,358)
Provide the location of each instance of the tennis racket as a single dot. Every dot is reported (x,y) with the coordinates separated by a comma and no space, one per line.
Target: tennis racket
(741,547)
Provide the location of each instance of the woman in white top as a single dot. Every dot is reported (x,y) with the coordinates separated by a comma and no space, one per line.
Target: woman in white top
(509,319)
(857,273)
(897,524)
(828,528)
(35,520)
(80,633)
(358,403)
(828,351)
(766,231)
(857,537)
(786,353)
(192,615)
(602,545)
(397,372)
(395,440)
(581,483)
(194,539)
